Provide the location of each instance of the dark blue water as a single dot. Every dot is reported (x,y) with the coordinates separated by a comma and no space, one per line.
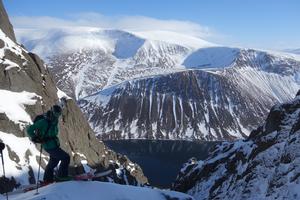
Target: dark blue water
(160,160)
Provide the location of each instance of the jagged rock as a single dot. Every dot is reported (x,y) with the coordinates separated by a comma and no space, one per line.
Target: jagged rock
(264,166)
(5,24)
(273,120)
(298,93)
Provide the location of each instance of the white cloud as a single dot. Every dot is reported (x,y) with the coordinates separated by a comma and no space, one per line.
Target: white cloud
(130,23)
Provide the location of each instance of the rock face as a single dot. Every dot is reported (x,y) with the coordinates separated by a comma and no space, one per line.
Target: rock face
(5,24)
(133,86)
(174,106)
(23,75)
(263,166)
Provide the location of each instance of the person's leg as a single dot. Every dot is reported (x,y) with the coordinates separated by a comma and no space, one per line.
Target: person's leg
(60,155)
(64,164)
(48,175)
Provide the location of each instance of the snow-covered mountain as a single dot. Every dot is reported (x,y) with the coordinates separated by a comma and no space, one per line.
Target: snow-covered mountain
(88,59)
(263,166)
(165,85)
(212,104)
(27,89)
(98,190)
(295,51)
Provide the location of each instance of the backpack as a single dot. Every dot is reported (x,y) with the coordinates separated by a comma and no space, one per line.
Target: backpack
(38,137)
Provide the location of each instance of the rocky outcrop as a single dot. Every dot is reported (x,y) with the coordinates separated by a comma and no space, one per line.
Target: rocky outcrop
(21,71)
(263,166)
(5,24)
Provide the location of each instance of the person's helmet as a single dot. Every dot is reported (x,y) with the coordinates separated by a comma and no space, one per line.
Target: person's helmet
(57,110)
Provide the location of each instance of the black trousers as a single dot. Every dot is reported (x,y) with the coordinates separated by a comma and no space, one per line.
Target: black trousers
(57,155)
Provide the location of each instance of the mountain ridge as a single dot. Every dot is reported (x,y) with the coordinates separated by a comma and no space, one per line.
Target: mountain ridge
(272,76)
(262,166)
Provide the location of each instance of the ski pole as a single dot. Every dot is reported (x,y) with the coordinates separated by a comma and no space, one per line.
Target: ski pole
(3,169)
(38,178)
(40,159)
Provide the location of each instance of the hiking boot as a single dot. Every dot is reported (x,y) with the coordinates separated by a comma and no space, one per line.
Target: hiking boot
(46,182)
(63,178)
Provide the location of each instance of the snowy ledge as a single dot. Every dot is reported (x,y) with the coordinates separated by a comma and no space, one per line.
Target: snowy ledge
(94,190)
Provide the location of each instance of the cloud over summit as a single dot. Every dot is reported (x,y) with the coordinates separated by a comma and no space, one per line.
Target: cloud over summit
(129,23)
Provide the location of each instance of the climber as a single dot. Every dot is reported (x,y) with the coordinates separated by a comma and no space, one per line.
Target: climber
(45,130)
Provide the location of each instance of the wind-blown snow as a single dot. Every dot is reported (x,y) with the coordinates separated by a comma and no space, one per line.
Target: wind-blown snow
(75,190)
(62,41)
(13,105)
(175,38)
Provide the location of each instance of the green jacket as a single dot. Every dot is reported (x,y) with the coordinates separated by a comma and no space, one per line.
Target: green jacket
(42,126)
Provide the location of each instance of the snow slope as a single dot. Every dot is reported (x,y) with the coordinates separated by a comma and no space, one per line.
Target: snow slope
(75,190)
(213,57)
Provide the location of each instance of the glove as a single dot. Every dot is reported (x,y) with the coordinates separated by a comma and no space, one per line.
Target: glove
(36,139)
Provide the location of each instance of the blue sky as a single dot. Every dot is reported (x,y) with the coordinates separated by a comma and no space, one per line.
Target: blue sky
(271,24)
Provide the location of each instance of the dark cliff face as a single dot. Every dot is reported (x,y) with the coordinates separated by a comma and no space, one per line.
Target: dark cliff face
(5,24)
(264,166)
(198,104)
(24,71)
(185,105)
